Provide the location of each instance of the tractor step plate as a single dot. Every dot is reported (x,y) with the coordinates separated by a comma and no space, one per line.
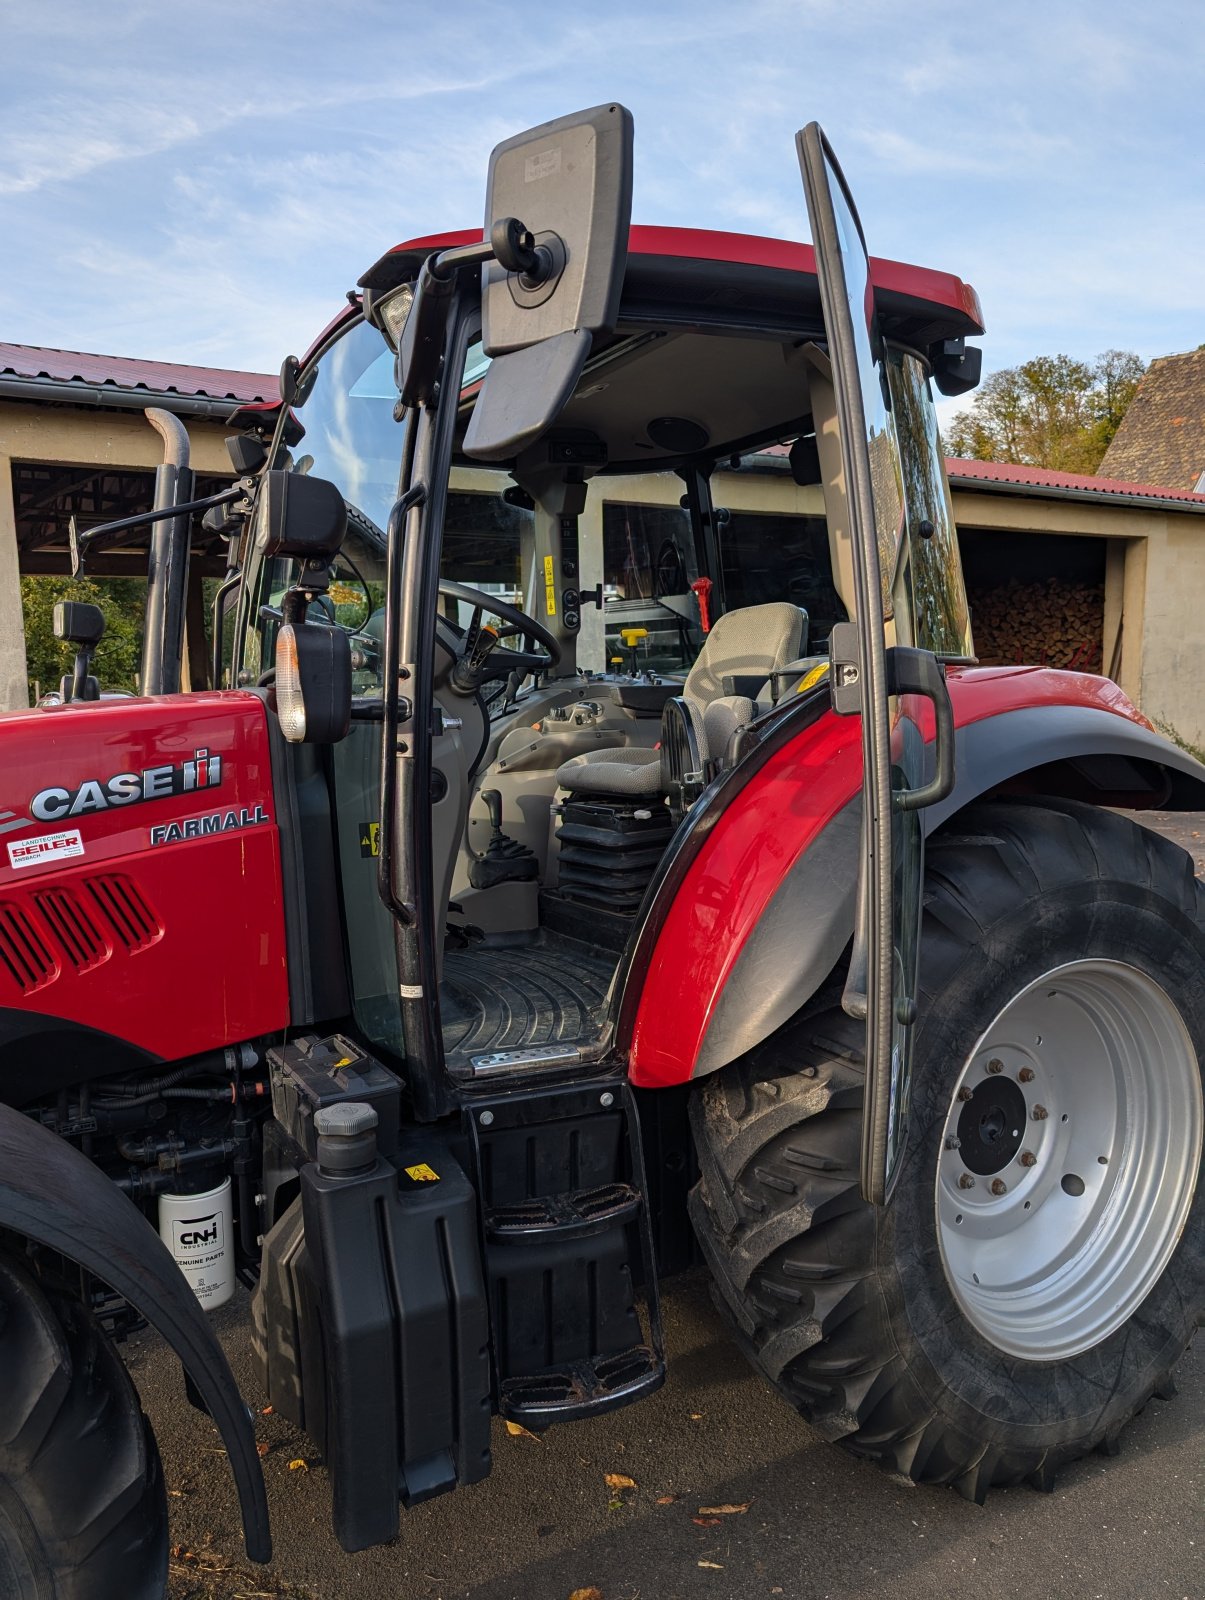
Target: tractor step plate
(573,1215)
(582,1388)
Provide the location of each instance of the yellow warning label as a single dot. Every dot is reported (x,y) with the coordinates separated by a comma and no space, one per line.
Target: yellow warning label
(813,677)
(422,1173)
(346,1062)
(549,587)
(370,838)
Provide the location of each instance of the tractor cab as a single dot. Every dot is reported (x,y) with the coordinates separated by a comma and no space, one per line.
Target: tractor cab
(583,692)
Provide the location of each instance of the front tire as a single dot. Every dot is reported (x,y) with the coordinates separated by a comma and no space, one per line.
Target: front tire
(985,1354)
(83,1510)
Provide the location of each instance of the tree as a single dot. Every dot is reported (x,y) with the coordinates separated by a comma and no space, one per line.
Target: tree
(123,601)
(1051,411)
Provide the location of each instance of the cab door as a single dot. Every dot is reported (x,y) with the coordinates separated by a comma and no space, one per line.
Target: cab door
(878,672)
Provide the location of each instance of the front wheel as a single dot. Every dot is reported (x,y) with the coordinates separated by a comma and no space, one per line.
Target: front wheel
(83,1511)
(1042,1264)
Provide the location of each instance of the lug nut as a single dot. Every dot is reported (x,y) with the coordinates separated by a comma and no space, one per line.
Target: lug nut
(999,1186)
(1026,1074)
(964,1093)
(965,1181)
(1028,1159)
(953,1144)
(1039,1113)
(995,1066)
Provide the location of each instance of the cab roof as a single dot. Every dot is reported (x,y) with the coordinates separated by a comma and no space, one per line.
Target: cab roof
(746,277)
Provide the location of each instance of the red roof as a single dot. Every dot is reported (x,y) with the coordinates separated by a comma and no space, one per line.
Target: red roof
(158,377)
(1006,474)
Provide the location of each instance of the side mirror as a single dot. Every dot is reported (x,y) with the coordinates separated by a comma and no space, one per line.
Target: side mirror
(557,209)
(83,625)
(313,683)
(300,516)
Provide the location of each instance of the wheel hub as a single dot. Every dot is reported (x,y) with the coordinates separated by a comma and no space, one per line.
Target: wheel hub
(1069,1159)
(992,1126)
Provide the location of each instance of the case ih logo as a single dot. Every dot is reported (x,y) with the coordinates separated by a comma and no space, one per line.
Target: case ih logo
(127,788)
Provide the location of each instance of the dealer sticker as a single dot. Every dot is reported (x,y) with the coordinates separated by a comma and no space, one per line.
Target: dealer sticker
(46,847)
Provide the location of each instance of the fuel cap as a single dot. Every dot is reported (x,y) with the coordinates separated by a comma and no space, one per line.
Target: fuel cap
(347,1139)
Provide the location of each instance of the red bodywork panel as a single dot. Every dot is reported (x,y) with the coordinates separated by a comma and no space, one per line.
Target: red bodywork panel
(742,861)
(140,880)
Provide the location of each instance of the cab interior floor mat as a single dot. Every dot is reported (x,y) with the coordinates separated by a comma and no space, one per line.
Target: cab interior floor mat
(507,998)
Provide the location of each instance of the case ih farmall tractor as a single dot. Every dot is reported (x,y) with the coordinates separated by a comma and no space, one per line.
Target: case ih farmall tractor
(386,978)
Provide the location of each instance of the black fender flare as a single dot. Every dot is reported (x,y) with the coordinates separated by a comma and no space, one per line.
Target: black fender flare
(810,917)
(56,1197)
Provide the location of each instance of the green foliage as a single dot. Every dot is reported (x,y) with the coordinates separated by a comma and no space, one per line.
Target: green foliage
(123,601)
(1052,411)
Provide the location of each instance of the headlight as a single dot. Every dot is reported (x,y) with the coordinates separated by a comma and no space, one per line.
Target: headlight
(390,313)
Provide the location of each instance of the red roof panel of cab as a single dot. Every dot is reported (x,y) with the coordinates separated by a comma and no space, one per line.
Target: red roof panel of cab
(745,249)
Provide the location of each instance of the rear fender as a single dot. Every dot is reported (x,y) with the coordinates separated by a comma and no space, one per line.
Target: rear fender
(748,927)
(55,1197)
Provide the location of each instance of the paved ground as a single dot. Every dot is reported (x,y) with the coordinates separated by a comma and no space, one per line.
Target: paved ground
(819,1524)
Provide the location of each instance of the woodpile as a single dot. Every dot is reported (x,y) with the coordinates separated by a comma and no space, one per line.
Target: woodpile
(1052,623)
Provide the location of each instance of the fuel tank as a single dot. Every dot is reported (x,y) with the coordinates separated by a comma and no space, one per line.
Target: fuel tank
(140,885)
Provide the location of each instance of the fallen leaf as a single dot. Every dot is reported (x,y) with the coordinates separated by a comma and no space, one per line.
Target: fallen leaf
(614,1505)
(262,1448)
(619,1480)
(724,1511)
(666,1499)
(712,1566)
(696,1416)
(518,1431)
(587,1594)
(299,1464)
(267,1411)
(706,1522)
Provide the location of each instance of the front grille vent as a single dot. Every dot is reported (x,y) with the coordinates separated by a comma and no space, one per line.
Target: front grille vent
(126,909)
(24,953)
(73,926)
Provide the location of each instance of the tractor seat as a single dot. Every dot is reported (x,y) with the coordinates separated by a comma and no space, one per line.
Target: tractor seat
(738,657)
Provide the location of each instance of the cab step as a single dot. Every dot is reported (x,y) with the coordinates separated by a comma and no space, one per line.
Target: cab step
(567,1240)
(582,1388)
(573,1215)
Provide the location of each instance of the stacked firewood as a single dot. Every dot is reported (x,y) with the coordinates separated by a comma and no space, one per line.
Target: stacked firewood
(1051,623)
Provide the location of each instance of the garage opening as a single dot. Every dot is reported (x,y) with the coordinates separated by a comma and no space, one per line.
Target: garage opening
(1036,598)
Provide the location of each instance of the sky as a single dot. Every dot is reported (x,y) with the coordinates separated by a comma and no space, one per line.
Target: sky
(203,182)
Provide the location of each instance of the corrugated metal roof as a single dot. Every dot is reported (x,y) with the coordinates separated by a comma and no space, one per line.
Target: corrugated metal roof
(1007,475)
(121,372)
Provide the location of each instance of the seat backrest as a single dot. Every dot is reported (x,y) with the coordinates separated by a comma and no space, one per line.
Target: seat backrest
(745,647)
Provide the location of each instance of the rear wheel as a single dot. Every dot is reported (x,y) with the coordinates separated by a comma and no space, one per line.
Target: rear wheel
(83,1513)
(1042,1264)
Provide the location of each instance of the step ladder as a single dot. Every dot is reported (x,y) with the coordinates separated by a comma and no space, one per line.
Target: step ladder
(566,1239)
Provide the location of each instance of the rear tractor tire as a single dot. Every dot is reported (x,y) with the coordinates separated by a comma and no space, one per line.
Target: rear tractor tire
(1041,1266)
(83,1511)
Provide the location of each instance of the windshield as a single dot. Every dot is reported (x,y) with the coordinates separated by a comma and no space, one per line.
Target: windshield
(350,433)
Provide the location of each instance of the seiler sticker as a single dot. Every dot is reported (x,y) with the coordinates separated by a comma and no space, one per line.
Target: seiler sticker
(46,847)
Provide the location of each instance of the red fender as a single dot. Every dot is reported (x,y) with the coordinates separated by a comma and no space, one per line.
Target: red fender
(766,828)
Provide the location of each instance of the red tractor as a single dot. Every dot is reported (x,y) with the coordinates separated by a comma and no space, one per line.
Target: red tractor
(427,979)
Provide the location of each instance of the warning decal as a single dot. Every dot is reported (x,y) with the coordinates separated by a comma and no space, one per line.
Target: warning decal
(549,587)
(422,1173)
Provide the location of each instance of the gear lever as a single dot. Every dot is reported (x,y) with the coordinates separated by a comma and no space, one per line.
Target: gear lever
(505,859)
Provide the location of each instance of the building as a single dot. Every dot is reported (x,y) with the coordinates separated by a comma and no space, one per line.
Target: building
(1162,435)
(1104,574)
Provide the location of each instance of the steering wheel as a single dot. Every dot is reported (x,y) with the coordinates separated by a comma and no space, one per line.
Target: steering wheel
(480,657)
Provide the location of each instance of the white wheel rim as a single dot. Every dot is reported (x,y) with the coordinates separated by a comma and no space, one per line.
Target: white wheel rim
(1054,1227)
